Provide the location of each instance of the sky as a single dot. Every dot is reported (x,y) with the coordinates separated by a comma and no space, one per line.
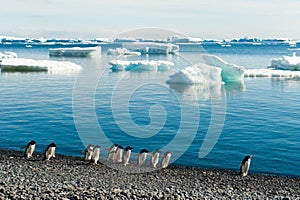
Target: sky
(213,19)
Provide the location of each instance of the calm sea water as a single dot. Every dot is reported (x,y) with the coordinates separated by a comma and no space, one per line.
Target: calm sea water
(212,127)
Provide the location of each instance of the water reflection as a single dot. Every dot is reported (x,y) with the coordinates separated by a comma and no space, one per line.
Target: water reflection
(203,92)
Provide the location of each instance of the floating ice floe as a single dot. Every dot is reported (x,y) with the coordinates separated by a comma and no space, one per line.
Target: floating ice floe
(197,74)
(141,65)
(8,54)
(230,72)
(151,47)
(30,65)
(271,73)
(286,62)
(74,51)
(122,51)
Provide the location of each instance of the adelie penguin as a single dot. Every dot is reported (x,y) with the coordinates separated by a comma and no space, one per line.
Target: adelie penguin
(155,158)
(119,155)
(50,151)
(29,149)
(89,152)
(245,165)
(112,153)
(127,153)
(142,157)
(166,159)
(96,154)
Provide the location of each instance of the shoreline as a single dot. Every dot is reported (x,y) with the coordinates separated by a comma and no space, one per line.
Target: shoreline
(177,166)
(69,177)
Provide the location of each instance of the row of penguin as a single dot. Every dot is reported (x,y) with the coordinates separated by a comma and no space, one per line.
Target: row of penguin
(116,154)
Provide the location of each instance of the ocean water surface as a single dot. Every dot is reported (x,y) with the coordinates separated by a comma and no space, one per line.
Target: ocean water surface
(259,116)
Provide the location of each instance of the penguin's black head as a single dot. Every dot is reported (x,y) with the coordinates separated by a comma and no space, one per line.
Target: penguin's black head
(120,147)
(144,151)
(32,142)
(246,159)
(114,145)
(128,148)
(52,144)
(157,151)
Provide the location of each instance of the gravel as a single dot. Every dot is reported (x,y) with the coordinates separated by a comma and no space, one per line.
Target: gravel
(67,177)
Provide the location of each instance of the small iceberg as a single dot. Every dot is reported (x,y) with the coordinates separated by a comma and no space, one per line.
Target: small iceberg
(140,65)
(30,65)
(230,72)
(286,63)
(197,74)
(122,51)
(74,51)
(271,73)
(8,54)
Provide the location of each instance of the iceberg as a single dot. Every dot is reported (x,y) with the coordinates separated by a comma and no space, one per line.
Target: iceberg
(230,72)
(8,54)
(197,74)
(141,65)
(74,51)
(286,62)
(30,65)
(270,73)
(122,51)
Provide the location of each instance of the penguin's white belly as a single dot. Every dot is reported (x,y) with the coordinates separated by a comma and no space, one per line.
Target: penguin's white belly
(112,154)
(50,153)
(96,155)
(245,168)
(30,151)
(166,161)
(119,155)
(142,158)
(126,157)
(154,160)
(89,155)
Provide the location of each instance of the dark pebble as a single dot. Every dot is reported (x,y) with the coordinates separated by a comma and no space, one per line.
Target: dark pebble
(73,178)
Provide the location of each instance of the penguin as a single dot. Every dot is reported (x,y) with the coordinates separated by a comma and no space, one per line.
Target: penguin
(119,155)
(29,149)
(245,165)
(89,152)
(166,159)
(50,151)
(142,157)
(95,155)
(155,157)
(112,152)
(127,153)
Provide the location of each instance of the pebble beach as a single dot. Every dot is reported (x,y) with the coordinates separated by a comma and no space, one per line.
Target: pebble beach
(66,177)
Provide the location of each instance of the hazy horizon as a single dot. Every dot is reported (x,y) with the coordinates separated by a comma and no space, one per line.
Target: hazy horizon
(203,19)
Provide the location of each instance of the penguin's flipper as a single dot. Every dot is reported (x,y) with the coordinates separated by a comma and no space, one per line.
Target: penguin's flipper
(241,172)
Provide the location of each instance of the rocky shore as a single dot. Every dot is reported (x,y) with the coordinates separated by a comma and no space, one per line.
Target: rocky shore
(73,178)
